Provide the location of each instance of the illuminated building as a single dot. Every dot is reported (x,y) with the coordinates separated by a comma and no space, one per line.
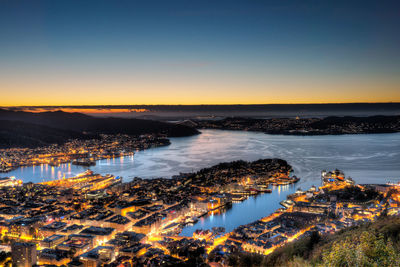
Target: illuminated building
(23,254)
(98,256)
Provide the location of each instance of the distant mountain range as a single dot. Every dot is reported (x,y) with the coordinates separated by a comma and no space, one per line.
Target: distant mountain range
(179,112)
(19,128)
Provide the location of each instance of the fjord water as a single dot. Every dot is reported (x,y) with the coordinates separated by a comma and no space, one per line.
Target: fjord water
(368,158)
(372,158)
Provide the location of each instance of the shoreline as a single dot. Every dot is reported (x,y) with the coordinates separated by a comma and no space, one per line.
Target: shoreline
(143,163)
(155,146)
(305,126)
(303,203)
(108,147)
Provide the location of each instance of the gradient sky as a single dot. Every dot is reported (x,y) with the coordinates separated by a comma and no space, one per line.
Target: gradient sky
(198,52)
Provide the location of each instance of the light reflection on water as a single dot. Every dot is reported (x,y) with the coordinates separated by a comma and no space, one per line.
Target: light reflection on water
(371,158)
(250,210)
(367,158)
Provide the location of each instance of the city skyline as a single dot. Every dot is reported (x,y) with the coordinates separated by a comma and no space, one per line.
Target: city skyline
(199,133)
(125,53)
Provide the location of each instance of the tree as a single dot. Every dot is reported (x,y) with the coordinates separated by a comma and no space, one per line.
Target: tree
(365,250)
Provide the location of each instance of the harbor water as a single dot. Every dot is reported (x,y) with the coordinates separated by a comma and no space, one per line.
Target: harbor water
(372,158)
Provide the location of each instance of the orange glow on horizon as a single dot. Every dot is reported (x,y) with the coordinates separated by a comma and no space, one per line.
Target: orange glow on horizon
(36,108)
(183,90)
(84,110)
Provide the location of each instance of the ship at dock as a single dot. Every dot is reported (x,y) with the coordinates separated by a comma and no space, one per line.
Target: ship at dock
(87,181)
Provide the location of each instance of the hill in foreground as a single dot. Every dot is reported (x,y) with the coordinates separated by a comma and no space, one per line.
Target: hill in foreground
(370,244)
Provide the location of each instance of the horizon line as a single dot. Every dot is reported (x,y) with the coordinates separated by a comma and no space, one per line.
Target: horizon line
(264,104)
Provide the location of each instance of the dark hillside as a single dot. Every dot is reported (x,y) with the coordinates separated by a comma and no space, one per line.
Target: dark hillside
(83,123)
(374,123)
(22,134)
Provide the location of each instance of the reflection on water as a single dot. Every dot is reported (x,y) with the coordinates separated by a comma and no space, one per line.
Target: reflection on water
(367,158)
(371,158)
(250,210)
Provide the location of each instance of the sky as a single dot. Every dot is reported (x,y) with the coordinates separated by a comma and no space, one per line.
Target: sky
(198,52)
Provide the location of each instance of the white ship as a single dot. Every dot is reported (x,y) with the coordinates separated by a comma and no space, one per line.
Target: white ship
(9,181)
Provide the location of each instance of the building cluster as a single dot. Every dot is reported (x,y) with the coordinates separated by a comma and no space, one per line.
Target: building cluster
(93,220)
(80,152)
(337,204)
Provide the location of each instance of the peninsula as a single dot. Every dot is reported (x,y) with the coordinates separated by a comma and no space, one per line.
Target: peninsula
(305,126)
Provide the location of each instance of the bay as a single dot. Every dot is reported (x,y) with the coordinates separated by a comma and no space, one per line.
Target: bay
(372,158)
